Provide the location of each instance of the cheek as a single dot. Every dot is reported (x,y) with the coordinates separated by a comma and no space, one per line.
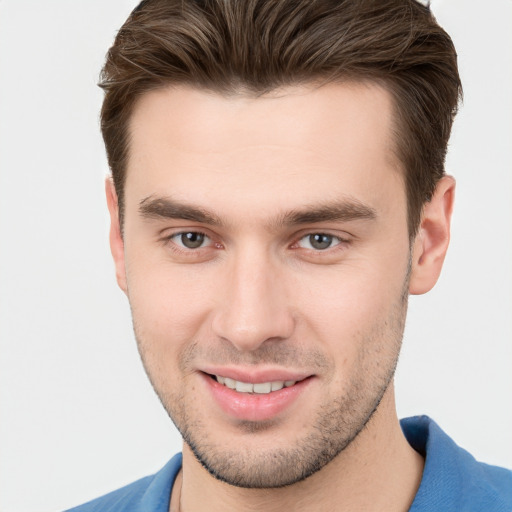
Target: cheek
(167,318)
(346,299)
(356,311)
(168,304)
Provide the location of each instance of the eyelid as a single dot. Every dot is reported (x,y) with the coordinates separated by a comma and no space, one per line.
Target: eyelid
(336,241)
(175,238)
(169,236)
(342,237)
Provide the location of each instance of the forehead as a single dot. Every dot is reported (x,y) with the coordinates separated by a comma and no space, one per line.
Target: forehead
(297,141)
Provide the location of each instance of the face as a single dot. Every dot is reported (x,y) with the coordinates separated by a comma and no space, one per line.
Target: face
(266,261)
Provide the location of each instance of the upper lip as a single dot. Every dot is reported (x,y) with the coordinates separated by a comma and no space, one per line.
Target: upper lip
(256,375)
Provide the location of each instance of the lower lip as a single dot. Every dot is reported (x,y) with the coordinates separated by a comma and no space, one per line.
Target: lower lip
(254,406)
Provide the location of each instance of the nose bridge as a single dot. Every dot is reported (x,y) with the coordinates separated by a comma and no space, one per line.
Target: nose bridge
(253,304)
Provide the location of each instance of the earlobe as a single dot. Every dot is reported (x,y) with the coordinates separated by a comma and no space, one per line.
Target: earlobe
(431,242)
(115,236)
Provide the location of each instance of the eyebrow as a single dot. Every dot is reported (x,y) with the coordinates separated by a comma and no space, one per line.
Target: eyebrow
(167,208)
(337,211)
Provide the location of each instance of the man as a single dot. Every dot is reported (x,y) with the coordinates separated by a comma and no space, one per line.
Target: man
(277,192)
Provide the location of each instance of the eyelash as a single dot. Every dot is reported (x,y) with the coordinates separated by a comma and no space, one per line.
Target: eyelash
(176,246)
(341,243)
(338,241)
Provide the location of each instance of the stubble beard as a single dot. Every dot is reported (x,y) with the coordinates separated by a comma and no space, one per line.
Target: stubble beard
(336,424)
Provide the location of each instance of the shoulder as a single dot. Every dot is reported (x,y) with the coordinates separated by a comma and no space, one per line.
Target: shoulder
(452,478)
(149,494)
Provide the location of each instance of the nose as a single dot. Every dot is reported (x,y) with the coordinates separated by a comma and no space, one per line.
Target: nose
(253,306)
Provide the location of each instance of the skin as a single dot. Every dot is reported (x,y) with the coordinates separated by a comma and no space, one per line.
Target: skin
(257,296)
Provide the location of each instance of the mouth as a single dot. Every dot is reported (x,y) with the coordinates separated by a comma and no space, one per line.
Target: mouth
(260,388)
(263,399)
(256,394)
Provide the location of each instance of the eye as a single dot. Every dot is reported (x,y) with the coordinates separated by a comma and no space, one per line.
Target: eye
(318,241)
(191,239)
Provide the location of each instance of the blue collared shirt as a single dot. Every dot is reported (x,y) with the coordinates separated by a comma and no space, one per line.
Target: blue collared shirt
(453,481)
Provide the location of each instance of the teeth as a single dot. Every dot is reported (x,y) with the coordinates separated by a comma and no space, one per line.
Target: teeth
(261,388)
(230,383)
(264,387)
(276,386)
(244,387)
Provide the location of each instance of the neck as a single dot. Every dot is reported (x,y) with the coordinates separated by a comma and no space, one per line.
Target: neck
(378,471)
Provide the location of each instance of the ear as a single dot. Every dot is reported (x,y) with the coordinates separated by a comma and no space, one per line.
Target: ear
(116,238)
(431,242)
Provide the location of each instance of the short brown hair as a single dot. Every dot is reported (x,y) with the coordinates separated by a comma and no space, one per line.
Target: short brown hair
(255,46)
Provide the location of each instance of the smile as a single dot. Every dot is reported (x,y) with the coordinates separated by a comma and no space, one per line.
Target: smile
(261,388)
(269,394)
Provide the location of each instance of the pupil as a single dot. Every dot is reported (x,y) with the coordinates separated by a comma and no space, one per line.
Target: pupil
(192,240)
(319,241)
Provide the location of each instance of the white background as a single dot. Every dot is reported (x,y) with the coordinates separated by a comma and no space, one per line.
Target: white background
(78,417)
